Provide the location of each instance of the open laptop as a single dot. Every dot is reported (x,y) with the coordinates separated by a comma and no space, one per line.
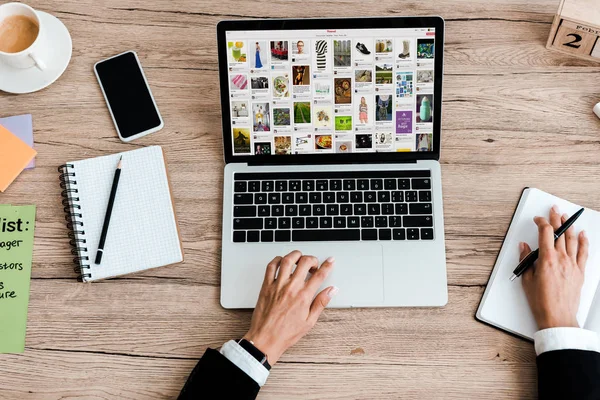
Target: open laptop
(332,133)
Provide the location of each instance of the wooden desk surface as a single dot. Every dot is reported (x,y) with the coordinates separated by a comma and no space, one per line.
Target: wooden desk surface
(515,115)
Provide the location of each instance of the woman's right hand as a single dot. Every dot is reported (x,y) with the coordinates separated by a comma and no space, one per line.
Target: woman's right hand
(553,285)
(287,308)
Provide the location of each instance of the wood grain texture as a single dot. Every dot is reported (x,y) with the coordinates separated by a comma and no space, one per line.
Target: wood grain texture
(514,115)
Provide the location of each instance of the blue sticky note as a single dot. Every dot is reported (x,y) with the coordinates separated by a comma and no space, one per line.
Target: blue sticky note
(22,127)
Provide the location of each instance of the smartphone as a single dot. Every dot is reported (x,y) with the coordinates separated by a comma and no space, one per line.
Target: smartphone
(128,96)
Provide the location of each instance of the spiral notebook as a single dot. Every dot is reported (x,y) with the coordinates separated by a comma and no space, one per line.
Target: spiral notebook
(504,304)
(143,230)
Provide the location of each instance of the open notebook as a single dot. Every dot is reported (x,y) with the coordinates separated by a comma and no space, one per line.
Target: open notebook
(504,304)
(143,230)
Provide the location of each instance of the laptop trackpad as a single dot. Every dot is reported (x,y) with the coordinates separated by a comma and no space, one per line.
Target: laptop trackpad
(358,271)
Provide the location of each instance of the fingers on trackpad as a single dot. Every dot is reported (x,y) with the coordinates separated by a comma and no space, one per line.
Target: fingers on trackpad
(357,273)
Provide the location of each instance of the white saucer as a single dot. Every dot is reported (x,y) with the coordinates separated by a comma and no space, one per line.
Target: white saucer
(56,55)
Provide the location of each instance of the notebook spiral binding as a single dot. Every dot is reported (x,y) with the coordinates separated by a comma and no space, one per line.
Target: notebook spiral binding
(74,220)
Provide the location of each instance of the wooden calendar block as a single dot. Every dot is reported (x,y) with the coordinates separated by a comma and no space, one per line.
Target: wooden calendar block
(596,52)
(576,29)
(573,40)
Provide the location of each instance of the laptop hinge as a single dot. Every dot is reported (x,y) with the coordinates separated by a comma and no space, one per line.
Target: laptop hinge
(322,162)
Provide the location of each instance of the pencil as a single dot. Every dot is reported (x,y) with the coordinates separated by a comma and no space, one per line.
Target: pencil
(111,202)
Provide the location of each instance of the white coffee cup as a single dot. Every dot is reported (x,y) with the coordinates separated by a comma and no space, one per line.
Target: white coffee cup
(29,57)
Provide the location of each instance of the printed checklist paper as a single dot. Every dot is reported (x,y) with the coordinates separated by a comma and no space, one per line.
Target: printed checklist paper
(16,249)
(15,155)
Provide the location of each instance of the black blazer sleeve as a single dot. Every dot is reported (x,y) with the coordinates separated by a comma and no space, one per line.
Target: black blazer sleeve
(569,374)
(216,377)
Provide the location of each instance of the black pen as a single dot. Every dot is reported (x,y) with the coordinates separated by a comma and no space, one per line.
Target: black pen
(531,257)
(111,202)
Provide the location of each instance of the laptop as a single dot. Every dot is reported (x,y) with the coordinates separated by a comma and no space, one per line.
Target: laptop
(331,135)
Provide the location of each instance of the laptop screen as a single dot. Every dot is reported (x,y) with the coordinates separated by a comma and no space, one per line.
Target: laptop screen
(327,91)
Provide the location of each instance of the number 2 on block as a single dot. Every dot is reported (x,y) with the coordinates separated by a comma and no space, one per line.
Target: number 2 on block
(576,40)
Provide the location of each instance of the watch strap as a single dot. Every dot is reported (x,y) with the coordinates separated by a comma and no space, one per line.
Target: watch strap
(255,352)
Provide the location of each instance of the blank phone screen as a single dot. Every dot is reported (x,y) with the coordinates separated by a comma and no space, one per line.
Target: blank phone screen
(128,95)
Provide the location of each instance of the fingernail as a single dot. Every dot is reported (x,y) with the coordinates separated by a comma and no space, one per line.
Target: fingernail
(555,208)
(333,291)
(565,216)
(583,234)
(330,260)
(521,246)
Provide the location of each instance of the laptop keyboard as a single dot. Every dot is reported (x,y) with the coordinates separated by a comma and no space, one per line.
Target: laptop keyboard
(332,206)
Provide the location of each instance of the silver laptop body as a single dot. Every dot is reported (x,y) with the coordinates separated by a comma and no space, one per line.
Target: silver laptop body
(377,210)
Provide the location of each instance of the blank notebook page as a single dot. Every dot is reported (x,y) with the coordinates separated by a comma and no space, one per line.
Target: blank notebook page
(143,230)
(504,303)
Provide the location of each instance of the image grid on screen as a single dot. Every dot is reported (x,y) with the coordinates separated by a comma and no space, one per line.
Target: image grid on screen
(331,91)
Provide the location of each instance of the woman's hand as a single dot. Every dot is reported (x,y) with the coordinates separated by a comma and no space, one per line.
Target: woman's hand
(553,285)
(287,307)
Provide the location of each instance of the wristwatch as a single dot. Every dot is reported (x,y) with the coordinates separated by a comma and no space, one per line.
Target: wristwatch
(254,352)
